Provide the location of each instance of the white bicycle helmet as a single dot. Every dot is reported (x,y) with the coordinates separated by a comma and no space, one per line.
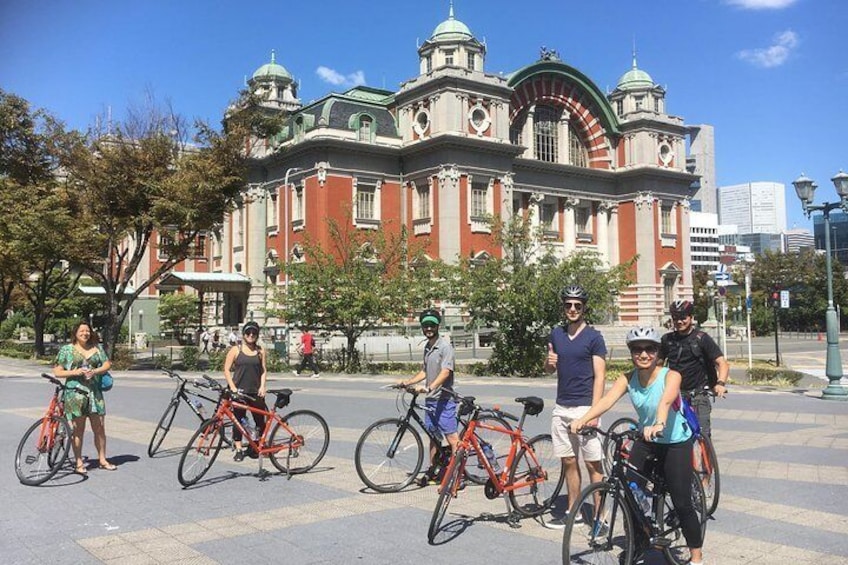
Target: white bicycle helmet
(643,333)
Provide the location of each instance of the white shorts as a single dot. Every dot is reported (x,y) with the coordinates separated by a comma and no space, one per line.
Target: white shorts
(565,443)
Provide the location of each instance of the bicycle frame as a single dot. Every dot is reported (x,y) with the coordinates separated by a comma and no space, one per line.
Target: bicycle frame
(225,411)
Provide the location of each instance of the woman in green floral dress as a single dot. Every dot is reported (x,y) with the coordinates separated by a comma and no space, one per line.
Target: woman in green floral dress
(82,363)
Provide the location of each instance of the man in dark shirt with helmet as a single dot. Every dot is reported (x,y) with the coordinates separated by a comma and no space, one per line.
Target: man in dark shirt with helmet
(695,355)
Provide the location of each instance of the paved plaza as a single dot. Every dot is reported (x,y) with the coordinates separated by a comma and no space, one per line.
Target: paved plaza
(783,466)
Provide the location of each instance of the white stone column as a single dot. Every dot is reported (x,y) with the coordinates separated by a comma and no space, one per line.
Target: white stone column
(569,234)
(603,233)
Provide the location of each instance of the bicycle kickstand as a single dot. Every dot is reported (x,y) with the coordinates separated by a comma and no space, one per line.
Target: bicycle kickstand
(512,517)
(262,473)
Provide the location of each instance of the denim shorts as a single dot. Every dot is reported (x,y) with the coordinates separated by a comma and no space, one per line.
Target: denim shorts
(440,416)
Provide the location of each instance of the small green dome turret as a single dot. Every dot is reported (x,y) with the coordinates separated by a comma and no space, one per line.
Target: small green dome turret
(635,78)
(451,29)
(272,70)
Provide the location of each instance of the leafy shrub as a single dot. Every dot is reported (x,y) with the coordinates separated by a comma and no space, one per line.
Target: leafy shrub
(617,368)
(9,325)
(15,350)
(122,359)
(776,376)
(162,361)
(216,361)
(191,358)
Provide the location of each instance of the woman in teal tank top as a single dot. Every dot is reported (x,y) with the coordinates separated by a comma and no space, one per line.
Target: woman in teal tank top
(666,436)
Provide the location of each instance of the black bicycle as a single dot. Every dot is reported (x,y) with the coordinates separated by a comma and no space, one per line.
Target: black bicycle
(192,398)
(609,525)
(390,453)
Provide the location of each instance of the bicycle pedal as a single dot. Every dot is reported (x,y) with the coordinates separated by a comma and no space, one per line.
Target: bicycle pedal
(660,543)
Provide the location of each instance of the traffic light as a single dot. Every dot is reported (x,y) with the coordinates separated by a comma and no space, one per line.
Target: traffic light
(775,298)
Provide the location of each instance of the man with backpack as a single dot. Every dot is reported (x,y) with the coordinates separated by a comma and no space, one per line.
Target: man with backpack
(697,357)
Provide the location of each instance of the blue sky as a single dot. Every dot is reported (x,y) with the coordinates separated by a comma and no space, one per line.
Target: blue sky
(770,75)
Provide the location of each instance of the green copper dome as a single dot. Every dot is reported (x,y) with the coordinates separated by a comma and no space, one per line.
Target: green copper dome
(451,29)
(272,70)
(635,78)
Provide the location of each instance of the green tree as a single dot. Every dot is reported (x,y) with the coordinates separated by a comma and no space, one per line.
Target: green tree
(804,275)
(37,230)
(362,280)
(140,179)
(519,294)
(179,311)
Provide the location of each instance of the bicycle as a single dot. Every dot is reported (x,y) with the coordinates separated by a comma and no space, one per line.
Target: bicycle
(180,394)
(295,443)
(390,453)
(704,460)
(528,480)
(49,439)
(608,525)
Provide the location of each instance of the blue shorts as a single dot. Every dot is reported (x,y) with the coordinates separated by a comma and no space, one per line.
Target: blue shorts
(440,416)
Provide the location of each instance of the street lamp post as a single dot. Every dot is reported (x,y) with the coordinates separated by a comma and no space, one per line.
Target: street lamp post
(805,189)
(286,227)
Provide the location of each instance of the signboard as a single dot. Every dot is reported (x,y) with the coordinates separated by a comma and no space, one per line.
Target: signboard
(784,299)
(749,302)
(722,276)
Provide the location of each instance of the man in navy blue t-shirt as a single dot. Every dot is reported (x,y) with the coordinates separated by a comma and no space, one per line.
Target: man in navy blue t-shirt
(577,353)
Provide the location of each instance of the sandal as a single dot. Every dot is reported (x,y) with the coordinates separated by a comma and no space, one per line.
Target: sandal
(108,467)
(81,469)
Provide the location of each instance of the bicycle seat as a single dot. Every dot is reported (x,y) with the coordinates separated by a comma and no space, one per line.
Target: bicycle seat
(467,405)
(283,397)
(533,405)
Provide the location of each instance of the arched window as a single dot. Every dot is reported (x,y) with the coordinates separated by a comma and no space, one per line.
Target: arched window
(365,128)
(576,149)
(546,132)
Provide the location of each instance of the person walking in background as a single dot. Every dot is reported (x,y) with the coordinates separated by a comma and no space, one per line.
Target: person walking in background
(697,357)
(437,374)
(306,348)
(577,353)
(216,341)
(204,340)
(232,338)
(245,370)
(82,363)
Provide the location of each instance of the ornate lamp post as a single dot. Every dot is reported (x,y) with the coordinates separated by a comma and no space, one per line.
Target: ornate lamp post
(805,188)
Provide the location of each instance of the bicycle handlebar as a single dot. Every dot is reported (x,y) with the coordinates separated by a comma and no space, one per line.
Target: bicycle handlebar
(173,374)
(62,385)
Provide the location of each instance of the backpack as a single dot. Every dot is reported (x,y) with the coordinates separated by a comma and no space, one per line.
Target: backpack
(697,351)
(682,405)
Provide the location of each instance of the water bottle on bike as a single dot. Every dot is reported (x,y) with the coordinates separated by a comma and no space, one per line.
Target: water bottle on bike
(199,406)
(642,499)
(486,447)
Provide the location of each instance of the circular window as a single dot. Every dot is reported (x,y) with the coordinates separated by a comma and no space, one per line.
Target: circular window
(422,122)
(666,154)
(479,119)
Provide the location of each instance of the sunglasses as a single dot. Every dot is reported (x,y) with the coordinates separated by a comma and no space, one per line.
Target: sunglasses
(576,306)
(640,349)
(254,333)
(679,317)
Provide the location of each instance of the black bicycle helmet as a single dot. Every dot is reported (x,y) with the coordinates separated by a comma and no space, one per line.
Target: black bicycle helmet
(250,326)
(643,333)
(574,292)
(430,316)
(681,308)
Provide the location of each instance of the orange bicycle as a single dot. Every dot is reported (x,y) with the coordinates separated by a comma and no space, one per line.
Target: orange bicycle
(45,445)
(531,478)
(295,442)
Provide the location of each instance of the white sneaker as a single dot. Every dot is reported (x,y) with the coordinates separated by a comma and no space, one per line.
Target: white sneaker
(296,374)
(316,376)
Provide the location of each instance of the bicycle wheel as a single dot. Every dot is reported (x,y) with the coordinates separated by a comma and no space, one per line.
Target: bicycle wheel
(677,552)
(449,487)
(306,447)
(543,473)
(389,455)
(599,532)
(475,470)
(706,467)
(620,425)
(43,450)
(163,427)
(200,452)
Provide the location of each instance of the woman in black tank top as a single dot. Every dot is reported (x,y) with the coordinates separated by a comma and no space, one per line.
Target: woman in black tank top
(244,369)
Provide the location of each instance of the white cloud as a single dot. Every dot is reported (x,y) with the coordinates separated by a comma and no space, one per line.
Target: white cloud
(760,4)
(774,55)
(335,78)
